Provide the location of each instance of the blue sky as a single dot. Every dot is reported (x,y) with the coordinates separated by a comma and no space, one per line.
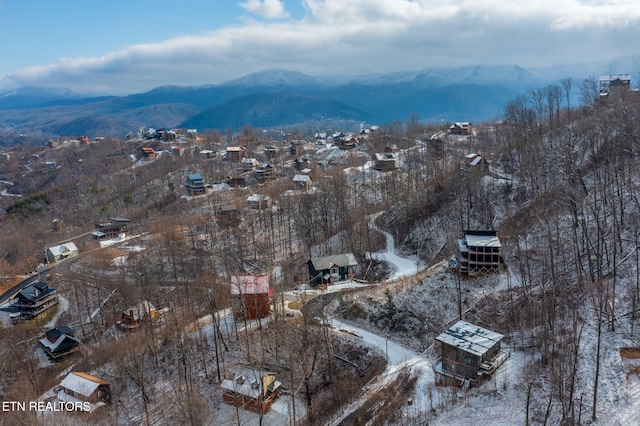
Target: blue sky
(122,46)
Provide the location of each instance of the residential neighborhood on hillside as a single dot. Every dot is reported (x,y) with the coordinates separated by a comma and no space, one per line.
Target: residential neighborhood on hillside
(456,272)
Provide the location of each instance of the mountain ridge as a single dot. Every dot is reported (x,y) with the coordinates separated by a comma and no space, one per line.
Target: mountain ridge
(467,93)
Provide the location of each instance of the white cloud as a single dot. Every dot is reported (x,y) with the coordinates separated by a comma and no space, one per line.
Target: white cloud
(270,9)
(361,36)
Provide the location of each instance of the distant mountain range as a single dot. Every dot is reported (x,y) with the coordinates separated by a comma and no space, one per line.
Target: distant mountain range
(278,98)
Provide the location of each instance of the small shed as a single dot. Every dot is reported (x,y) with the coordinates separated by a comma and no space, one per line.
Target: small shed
(469,354)
(61,252)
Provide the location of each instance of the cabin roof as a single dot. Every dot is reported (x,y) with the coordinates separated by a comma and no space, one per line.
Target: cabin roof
(339,260)
(470,338)
(82,383)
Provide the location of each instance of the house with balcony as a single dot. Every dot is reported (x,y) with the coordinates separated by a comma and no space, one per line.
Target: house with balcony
(263,172)
(59,343)
(479,253)
(33,301)
(235,153)
(469,355)
(612,84)
(195,184)
(460,128)
(251,389)
(113,227)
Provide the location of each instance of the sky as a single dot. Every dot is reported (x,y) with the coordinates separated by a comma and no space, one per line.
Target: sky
(131,46)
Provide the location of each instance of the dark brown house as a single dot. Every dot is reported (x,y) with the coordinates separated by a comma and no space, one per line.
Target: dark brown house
(111,228)
(235,153)
(33,301)
(237,181)
(252,296)
(470,354)
(460,128)
(135,316)
(59,343)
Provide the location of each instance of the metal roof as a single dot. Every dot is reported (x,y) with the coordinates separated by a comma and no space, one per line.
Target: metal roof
(65,248)
(36,291)
(339,260)
(82,383)
(53,346)
(120,219)
(248,381)
(301,178)
(470,338)
(482,239)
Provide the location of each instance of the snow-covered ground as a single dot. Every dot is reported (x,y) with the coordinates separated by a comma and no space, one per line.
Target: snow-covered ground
(63,306)
(502,400)
(403,266)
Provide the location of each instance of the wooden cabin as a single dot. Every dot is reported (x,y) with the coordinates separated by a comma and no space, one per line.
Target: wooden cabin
(84,387)
(251,389)
(469,354)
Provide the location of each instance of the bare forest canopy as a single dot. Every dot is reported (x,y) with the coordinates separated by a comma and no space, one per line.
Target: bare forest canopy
(560,185)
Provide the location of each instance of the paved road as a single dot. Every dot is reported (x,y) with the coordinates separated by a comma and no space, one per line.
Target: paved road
(22,284)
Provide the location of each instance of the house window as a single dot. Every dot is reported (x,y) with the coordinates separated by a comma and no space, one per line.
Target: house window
(467,360)
(333,271)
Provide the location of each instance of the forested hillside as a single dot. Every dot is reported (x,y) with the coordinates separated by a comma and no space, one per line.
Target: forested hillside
(558,182)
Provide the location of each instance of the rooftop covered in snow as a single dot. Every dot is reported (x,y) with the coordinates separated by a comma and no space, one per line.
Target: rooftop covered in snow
(470,338)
